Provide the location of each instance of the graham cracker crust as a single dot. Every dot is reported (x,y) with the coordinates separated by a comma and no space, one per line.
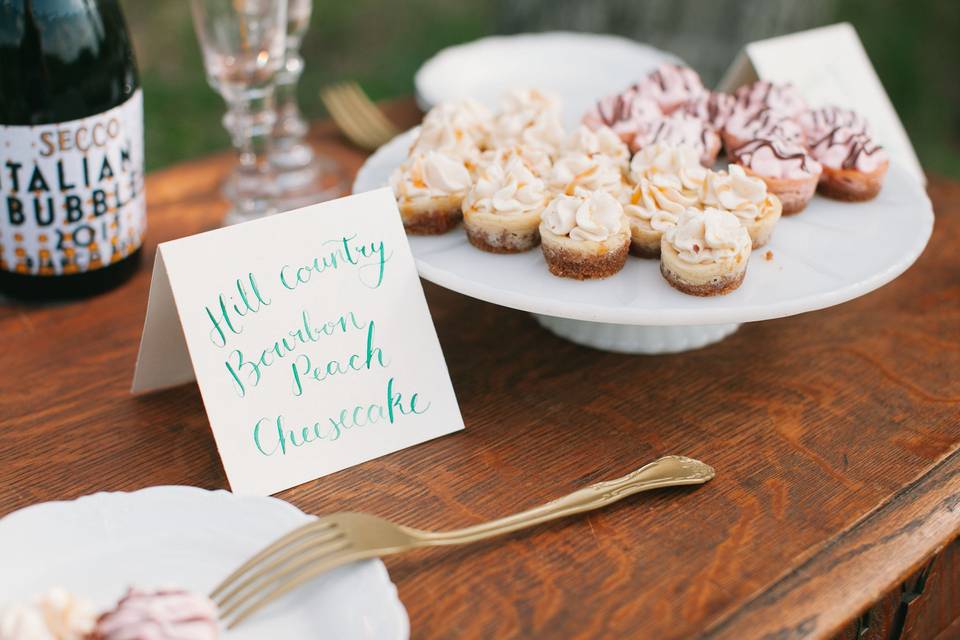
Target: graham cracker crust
(432,223)
(506,241)
(570,264)
(719,287)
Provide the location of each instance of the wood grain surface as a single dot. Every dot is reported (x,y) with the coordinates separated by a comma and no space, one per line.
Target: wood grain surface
(835,436)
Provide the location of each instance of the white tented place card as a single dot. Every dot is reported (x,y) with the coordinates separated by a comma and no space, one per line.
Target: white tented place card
(309,336)
(830,66)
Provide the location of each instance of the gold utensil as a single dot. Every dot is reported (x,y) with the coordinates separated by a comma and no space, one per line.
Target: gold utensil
(335,540)
(357,116)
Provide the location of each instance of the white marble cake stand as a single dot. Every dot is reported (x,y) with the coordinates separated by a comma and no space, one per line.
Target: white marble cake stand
(830,253)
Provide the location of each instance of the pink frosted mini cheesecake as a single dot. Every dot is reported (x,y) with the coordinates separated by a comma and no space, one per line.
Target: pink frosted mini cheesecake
(680,130)
(790,172)
(854,166)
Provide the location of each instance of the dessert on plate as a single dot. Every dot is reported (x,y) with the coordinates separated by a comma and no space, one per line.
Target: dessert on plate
(818,123)
(671,86)
(767,123)
(466,116)
(706,253)
(624,113)
(528,117)
(853,165)
(537,160)
(712,108)
(680,161)
(600,141)
(680,130)
(784,98)
(746,197)
(429,188)
(652,206)
(665,182)
(584,235)
(501,212)
(574,171)
(790,172)
(162,614)
(55,615)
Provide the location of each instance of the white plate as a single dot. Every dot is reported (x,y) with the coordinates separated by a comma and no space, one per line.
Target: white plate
(98,545)
(580,67)
(829,253)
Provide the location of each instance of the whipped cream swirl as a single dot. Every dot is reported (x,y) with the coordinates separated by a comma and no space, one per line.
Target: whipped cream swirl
(742,195)
(442,136)
(599,141)
(537,160)
(592,216)
(429,175)
(573,171)
(467,116)
(507,189)
(55,615)
(711,235)
(682,163)
(656,202)
(528,117)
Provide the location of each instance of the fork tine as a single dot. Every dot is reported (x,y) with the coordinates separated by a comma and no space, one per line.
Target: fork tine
(296,534)
(309,573)
(369,111)
(280,573)
(345,115)
(277,561)
(333,100)
(376,117)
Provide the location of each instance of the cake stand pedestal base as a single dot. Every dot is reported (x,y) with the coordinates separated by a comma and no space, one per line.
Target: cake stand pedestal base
(626,338)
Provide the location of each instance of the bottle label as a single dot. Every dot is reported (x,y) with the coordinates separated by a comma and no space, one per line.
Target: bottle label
(71,193)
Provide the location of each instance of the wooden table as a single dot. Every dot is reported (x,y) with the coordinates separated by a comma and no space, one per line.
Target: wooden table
(835,435)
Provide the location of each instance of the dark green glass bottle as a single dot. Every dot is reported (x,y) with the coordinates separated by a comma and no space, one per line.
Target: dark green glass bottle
(72,207)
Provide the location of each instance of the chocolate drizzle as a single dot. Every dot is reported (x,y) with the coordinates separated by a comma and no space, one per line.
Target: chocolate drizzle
(744,152)
(859,144)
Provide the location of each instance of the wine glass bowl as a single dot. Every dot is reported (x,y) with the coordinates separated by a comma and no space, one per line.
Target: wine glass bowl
(244,47)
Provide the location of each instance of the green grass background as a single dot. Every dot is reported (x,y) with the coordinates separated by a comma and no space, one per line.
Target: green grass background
(914,44)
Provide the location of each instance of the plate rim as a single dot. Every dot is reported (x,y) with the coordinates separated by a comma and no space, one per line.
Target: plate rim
(425,92)
(397,609)
(674,317)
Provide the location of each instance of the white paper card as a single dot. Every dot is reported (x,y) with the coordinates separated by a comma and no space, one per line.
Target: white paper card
(830,66)
(309,337)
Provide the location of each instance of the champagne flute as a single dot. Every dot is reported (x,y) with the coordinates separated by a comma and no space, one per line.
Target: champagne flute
(244,47)
(302,176)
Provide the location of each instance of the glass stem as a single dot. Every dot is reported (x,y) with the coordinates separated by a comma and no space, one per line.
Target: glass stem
(250,121)
(291,123)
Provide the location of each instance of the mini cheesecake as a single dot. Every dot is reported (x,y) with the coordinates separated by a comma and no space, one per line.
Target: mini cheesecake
(501,212)
(790,172)
(854,166)
(584,236)
(706,253)
(745,197)
(429,188)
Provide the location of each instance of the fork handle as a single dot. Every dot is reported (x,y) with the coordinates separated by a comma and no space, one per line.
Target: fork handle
(669,471)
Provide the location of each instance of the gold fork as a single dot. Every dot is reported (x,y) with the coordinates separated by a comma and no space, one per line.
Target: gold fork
(357,116)
(335,540)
